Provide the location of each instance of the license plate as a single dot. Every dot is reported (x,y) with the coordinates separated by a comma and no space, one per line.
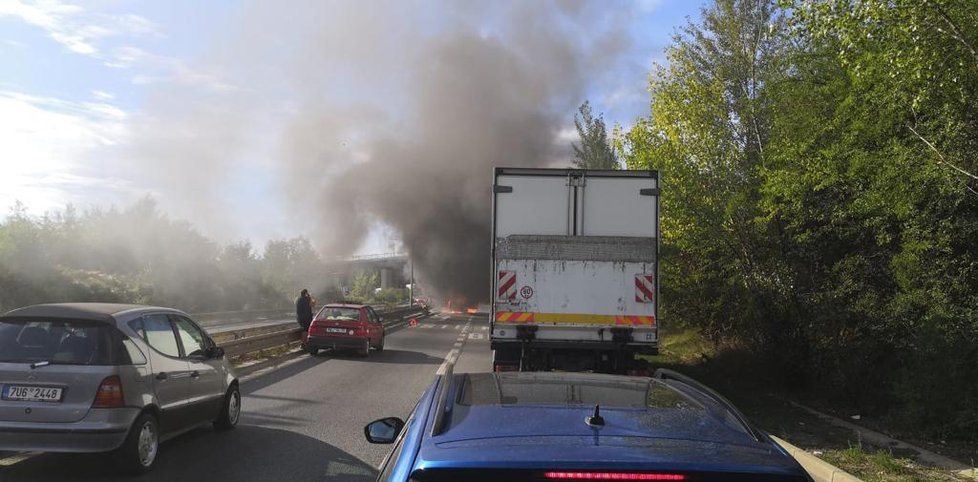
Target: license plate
(335,330)
(26,393)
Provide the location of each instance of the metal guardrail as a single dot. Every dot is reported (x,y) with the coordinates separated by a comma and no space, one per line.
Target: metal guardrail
(227,317)
(261,342)
(251,344)
(224,317)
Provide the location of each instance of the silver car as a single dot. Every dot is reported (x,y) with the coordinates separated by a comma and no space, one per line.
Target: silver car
(96,377)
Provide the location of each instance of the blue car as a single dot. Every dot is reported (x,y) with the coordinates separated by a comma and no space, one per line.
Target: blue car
(576,426)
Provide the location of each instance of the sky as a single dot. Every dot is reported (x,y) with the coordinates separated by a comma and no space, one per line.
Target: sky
(211,108)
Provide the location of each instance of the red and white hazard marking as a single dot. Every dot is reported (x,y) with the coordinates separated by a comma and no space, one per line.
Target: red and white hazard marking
(507,285)
(645,288)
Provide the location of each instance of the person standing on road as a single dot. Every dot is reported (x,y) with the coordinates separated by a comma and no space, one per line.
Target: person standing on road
(303,312)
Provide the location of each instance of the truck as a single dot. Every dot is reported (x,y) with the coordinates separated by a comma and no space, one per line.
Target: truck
(575,265)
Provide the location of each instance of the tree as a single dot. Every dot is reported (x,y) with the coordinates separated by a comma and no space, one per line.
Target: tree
(594,152)
(822,209)
(364,285)
(707,132)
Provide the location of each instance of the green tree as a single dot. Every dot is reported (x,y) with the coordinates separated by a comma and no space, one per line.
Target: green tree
(290,265)
(594,151)
(821,207)
(884,212)
(707,133)
(364,285)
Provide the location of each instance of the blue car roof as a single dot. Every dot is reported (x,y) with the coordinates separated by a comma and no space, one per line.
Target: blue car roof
(538,420)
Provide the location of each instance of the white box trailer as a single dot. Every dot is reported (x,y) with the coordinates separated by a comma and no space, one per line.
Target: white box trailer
(575,268)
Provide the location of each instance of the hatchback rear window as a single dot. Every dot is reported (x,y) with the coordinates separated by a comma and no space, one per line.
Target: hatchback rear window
(65,342)
(335,313)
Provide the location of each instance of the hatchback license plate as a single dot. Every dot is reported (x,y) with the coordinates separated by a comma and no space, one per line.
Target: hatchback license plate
(24,393)
(335,330)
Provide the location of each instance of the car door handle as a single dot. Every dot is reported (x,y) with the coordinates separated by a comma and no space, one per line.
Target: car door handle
(195,374)
(162,376)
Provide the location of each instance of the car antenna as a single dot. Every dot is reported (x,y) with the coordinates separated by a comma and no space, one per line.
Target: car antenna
(595,420)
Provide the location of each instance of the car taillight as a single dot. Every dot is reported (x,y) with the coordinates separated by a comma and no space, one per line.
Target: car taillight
(109,393)
(610,476)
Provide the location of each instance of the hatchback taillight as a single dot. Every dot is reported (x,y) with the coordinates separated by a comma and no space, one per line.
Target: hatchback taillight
(109,393)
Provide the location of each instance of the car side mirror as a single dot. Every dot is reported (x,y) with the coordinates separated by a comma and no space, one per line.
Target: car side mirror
(380,319)
(215,352)
(383,431)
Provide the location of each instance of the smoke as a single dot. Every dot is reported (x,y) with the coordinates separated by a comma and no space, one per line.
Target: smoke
(383,112)
(474,101)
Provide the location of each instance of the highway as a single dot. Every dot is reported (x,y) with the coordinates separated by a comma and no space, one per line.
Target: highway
(304,420)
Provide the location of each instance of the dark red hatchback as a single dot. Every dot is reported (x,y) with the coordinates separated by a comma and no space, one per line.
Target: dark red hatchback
(346,327)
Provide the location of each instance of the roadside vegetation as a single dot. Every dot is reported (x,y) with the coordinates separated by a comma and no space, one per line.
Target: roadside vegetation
(820,201)
(136,254)
(753,388)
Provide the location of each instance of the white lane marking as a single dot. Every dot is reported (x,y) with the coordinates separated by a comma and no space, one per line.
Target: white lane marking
(444,327)
(17,458)
(458,326)
(427,326)
(449,359)
(476,336)
(484,328)
(452,355)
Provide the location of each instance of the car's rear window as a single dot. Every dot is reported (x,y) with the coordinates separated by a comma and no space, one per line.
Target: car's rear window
(336,313)
(58,341)
(551,389)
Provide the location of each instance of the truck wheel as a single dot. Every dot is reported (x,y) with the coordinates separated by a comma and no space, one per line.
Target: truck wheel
(138,453)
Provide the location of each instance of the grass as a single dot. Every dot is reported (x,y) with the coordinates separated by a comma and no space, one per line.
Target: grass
(874,465)
(745,380)
(266,354)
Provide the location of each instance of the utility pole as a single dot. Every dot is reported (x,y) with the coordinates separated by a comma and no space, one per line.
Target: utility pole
(411,261)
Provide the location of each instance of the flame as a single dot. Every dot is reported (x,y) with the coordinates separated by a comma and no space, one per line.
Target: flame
(452,311)
(471,311)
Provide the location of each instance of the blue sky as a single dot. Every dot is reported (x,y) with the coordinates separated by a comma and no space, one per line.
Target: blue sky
(88,88)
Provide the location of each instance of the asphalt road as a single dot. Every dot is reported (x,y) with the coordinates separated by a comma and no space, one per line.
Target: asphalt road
(303,421)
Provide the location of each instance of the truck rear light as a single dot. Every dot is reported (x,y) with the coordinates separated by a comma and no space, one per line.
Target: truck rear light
(505,367)
(109,393)
(610,476)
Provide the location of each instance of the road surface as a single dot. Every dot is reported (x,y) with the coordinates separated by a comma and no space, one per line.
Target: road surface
(303,421)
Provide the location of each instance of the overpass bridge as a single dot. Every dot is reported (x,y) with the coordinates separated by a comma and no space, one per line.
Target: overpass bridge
(394,268)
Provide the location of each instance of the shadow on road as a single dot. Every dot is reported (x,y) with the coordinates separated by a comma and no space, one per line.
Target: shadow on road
(279,374)
(386,356)
(248,453)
